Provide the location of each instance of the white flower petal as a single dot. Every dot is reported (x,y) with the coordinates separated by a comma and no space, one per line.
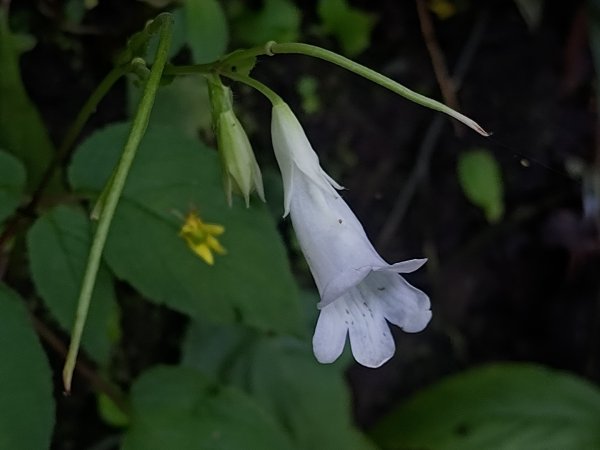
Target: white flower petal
(330,335)
(358,289)
(292,148)
(404,266)
(370,337)
(339,285)
(331,237)
(402,304)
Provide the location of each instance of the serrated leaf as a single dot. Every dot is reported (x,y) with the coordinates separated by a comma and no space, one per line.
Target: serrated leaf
(251,283)
(58,244)
(26,402)
(206,29)
(22,132)
(277,20)
(351,26)
(481,181)
(179,408)
(12,184)
(501,407)
(282,374)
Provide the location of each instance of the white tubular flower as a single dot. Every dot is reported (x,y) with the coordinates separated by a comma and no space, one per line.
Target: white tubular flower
(359,290)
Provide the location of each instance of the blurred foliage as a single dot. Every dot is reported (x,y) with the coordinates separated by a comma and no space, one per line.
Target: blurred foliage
(22,132)
(12,174)
(502,406)
(351,26)
(307,88)
(267,368)
(481,180)
(177,407)
(26,403)
(531,11)
(276,20)
(206,29)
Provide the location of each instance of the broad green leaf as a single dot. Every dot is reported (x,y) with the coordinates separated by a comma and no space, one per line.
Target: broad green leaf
(12,183)
(351,26)
(252,283)
(283,375)
(481,181)
(22,132)
(500,407)
(277,20)
(183,104)
(59,243)
(26,402)
(179,408)
(206,29)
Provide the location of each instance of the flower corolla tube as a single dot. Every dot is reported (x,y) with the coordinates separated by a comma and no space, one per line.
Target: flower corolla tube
(360,292)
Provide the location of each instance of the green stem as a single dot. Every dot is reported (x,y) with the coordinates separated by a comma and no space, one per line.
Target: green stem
(382,80)
(196,69)
(266,91)
(136,132)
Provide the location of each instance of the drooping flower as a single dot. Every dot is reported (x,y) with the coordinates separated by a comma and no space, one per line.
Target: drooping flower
(201,237)
(359,290)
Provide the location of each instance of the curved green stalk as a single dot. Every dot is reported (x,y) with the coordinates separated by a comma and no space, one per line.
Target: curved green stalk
(272,48)
(266,91)
(136,132)
(376,77)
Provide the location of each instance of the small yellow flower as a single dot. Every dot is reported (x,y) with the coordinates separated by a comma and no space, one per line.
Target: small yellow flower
(201,237)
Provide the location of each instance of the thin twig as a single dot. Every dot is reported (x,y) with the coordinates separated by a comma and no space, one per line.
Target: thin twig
(431,137)
(438,60)
(95,380)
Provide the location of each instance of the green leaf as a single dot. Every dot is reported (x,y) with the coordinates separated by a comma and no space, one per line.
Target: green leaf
(277,20)
(12,183)
(251,283)
(110,412)
(26,402)
(183,104)
(351,26)
(283,375)
(22,132)
(500,407)
(481,180)
(206,29)
(58,244)
(179,408)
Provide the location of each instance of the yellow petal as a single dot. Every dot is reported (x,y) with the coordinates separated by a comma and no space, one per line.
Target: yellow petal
(215,245)
(214,229)
(204,252)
